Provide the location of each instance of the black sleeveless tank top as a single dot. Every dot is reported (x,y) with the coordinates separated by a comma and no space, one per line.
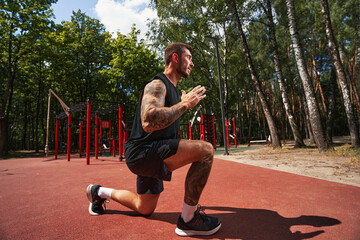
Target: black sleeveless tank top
(139,140)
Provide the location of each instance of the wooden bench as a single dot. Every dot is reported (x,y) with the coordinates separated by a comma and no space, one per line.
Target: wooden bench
(259,141)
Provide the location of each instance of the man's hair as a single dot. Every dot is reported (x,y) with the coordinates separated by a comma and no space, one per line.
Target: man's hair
(177,48)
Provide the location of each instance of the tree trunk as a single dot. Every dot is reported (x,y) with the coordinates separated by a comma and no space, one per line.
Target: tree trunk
(331,107)
(271,123)
(318,84)
(226,88)
(249,118)
(24,140)
(307,123)
(38,106)
(314,114)
(353,75)
(289,113)
(2,136)
(340,73)
(5,97)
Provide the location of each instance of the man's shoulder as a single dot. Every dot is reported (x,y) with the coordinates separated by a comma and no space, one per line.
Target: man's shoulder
(155,85)
(158,79)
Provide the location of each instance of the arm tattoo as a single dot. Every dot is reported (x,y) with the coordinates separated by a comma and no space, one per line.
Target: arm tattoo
(154,116)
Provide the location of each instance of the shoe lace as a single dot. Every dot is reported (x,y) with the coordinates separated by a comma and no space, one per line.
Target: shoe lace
(201,212)
(102,202)
(105,202)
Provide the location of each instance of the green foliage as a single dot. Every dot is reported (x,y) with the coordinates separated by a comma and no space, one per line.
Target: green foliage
(80,59)
(132,64)
(76,59)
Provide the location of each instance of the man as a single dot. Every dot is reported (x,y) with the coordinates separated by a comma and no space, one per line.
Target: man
(154,149)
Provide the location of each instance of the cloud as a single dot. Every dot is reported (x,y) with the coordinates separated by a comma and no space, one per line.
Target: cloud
(119,16)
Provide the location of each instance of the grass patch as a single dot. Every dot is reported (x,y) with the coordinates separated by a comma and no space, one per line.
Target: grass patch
(221,150)
(23,154)
(347,150)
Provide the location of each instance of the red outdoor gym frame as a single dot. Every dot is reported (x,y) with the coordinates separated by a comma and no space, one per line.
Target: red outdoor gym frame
(189,131)
(96,135)
(227,133)
(103,124)
(209,120)
(122,137)
(69,137)
(121,142)
(56,138)
(80,138)
(88,125)
(234,130)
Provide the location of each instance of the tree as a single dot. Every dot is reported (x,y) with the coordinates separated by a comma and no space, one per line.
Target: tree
(80,59)
(131,65)
(311,102)
(19,23)
(331,107)
(177,23)
(297,135)
(83,41)
(265,107)
(340,73)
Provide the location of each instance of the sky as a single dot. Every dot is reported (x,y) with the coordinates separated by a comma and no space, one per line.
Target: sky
(116,15)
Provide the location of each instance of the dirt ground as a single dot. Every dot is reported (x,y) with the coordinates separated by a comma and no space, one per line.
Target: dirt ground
(305,161)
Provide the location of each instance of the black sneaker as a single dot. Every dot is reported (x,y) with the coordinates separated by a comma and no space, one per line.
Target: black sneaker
(96,203)
(201,224)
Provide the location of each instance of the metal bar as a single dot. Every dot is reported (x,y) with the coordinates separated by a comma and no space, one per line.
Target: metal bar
(69,137)
(121,143)
(57,138)
(88,132)
(96,136)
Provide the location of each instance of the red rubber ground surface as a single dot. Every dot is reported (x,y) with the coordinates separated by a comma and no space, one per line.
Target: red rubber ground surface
(45,198)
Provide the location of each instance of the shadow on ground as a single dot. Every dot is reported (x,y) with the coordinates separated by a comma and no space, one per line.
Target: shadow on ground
(251,224)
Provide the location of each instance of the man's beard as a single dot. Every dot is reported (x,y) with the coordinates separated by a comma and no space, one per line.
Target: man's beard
(181,69)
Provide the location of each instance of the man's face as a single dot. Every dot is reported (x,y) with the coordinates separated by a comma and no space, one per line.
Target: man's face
(185,64)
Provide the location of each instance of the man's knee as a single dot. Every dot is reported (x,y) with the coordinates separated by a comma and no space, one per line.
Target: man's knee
(208,154)
(210,149)
(147,204)
(146,211)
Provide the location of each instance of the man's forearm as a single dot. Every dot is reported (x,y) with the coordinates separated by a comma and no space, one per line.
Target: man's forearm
(158,118)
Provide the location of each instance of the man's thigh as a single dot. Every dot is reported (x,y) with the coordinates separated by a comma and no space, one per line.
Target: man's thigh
(151,164)
(189,151)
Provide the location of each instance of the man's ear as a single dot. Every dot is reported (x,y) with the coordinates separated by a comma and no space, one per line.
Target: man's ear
(175,58)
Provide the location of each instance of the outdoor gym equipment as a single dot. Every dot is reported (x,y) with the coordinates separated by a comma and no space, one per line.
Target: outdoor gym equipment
(207,129)
(99,125)
(228,132)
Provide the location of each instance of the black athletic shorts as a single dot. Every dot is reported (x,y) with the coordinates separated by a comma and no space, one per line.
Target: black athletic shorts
(150,167)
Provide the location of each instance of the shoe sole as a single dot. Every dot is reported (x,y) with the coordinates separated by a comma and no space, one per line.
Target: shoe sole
(89,196)
(88,193)
(187,233)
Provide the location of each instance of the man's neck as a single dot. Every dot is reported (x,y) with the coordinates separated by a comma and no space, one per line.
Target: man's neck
(172,76)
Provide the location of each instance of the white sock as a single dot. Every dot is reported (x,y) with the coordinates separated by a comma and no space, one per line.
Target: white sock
(105,192)
(188,212)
